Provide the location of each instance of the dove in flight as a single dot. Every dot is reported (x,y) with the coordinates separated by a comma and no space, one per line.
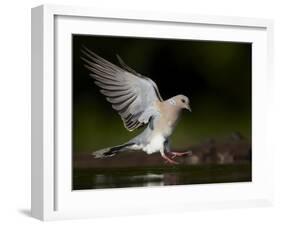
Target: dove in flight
(137,100)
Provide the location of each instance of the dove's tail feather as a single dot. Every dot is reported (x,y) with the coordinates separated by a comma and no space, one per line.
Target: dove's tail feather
(109,152)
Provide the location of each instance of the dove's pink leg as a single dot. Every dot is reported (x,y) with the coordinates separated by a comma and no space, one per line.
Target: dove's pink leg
(180,154)
(168,159)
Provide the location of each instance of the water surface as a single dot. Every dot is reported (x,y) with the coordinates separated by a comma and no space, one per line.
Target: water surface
(160,176)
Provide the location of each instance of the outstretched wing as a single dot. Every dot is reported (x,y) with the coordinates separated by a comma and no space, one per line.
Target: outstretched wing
(132,95)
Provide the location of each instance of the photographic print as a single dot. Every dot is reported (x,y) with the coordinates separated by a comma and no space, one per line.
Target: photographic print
(156,112)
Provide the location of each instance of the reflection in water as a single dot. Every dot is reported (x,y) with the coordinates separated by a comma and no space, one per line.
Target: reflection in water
(142,180)
(149,179)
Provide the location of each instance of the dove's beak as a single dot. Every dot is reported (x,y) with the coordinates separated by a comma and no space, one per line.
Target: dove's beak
(187,107)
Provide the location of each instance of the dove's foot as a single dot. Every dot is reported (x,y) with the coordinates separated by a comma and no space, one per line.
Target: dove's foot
(168,160)
(180,154)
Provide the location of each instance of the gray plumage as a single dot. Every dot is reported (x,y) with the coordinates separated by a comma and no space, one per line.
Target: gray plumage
(138,101)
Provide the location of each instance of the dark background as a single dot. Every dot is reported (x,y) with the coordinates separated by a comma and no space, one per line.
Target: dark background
(216,76)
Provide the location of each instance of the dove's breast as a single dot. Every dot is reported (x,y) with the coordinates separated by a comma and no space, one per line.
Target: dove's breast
(152,139)
(165,125)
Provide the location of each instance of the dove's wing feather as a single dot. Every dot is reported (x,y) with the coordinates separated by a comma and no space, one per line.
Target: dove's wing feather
(131,94)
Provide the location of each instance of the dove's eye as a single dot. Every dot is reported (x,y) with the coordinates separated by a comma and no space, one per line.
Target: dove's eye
(183,100)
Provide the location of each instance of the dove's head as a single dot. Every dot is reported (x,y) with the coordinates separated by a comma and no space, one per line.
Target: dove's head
(182,102)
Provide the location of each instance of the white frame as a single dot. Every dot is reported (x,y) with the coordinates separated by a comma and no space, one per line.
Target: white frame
(45,163)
